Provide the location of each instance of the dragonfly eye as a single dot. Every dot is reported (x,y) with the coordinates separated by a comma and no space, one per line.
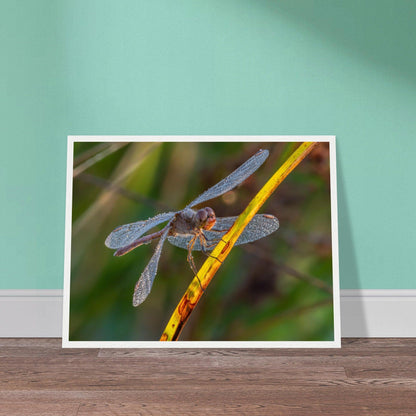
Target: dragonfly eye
(210,213)
(201,216)
(205,218)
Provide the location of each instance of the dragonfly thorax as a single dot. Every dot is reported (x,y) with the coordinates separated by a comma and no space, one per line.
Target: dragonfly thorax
(189,221)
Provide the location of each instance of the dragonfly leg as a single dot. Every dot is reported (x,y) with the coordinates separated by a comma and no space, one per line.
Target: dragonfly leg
(190,259)
(216,241)
(204,245)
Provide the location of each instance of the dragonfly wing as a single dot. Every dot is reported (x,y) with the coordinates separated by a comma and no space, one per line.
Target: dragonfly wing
(232,180)
(145,283)
(182,241)
(127,233)
(260,226)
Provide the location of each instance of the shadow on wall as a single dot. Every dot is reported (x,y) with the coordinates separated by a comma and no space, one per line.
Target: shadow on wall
(347,256)
(378,32)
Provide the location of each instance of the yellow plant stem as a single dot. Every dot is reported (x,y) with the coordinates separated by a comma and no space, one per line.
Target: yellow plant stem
(212,264)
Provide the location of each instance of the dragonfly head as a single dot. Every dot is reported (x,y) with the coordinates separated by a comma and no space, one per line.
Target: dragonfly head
(205,218)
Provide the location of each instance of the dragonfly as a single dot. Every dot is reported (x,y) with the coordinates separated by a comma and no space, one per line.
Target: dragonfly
(191,229)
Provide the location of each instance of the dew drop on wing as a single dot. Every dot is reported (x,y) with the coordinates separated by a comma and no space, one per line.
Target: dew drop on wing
(234,179)
(145,283)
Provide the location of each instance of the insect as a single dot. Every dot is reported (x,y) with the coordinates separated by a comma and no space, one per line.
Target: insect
(191,229)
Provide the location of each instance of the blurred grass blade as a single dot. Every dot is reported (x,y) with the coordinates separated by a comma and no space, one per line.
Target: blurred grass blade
(86,154)
(96,158)
(89,223)
(212,264)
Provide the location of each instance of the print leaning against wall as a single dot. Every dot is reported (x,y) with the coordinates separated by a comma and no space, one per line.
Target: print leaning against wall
(217,241)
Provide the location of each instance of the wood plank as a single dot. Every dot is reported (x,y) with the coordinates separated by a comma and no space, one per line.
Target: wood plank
(180,399)
(28,407)
(38,352)
(365,377)
(350,346)
(111,375)
(379,371)
(31,342)
(355,366)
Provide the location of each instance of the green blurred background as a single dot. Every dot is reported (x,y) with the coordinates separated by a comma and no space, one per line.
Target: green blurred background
(217,67)
(278,288)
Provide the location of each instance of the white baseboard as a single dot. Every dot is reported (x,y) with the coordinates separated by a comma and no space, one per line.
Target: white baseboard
(31,313)
(378,313)
(364,313)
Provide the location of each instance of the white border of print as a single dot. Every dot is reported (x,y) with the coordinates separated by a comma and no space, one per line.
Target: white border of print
(336,343)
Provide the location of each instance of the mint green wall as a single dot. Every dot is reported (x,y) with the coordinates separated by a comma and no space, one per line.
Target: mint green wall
(211,67)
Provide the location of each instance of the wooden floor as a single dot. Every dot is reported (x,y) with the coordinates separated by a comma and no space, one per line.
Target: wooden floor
(364,377)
